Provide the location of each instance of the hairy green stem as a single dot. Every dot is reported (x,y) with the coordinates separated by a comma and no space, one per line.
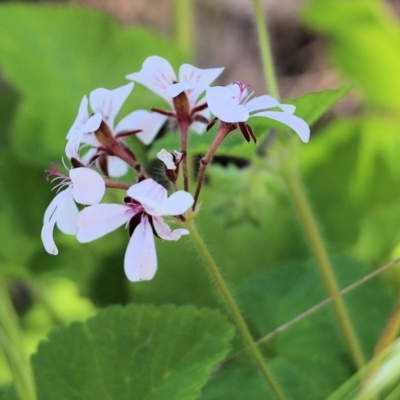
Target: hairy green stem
(11,342)
(234,309)
(265,49)
(183,26)
(317,246)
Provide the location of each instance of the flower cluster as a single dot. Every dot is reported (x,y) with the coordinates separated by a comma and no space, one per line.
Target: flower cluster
(193,105)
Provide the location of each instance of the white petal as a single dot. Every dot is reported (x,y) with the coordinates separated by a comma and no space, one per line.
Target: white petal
(180,87)
(140,258)
(288,108)
(54,204)
(176,204)
(116,167)
(237,92)
(51,216)
(167,158)
(92,124)
(149,194)
(88,186)
(72,146)
(292,121)
(148,122)
(164,231)
(109,102)
(262,103)
(81,118)
(66,221)
(224,106)
(85,158)
(156,74)
(96,221)
(189,73)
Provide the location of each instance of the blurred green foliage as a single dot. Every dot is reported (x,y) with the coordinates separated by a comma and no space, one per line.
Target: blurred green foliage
(50,56)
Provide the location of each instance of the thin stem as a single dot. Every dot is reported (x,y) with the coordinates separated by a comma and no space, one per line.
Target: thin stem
(116,185)
(236,314)
(184,128)
(317,246)
(310,311)
(184,27)
(223,130)
(390,332)
(265,49)
(11,342)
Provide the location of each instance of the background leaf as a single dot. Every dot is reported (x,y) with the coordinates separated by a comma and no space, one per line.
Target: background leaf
(71,51)
(276,296)
(159,353)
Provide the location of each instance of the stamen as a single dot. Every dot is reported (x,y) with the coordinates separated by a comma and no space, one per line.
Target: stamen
(242,88)
(53,171)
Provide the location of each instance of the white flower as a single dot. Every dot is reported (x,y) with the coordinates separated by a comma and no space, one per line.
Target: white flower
(84,186)
(170,160)
(99,130)
(230,105)
(147,203)
(157,75)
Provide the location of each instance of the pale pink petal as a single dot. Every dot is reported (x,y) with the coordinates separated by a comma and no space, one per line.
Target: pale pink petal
(149,194)
(156,74)
(109,102)
(88,186)
(164,231)
(224,106)
(176,204)
(66,221)
(148,122)
(293,122)
(116,167)
(262,103)
(81,118)
(96,221)
(180,87)
(140,258)
(51,216)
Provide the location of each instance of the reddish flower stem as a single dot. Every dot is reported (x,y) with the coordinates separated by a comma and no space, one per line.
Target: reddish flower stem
(223,131)
(116,185)
(115,149)
(184,128)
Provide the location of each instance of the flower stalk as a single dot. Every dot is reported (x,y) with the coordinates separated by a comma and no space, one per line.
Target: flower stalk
(317,246)
(265,49)
(223,130)
(234,309)
(11,342)
(183,26)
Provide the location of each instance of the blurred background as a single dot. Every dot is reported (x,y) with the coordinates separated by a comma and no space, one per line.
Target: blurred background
(51,56)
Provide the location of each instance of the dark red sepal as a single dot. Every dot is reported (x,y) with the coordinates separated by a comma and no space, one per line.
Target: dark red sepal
(134,222)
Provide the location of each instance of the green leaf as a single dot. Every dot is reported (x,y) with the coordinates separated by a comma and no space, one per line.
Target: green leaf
(364,39)
(313,106)
(140,352)
(276,296)
(70,51)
